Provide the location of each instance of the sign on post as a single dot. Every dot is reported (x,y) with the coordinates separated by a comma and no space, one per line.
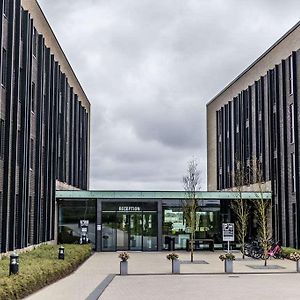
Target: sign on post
(228,233)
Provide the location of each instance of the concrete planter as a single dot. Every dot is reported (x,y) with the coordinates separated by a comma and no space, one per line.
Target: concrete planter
(298,266)
(175,266)
(123,267)
(228,266)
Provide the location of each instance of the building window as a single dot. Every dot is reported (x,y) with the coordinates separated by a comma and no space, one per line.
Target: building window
(260,137)
(34,42)
(5,8)
(33,97)
(4,67)
(292,122)
(275,176)
(247,142)
(274,133)
(294,211)
(293,167)
(31,153)
(291,75)
(2,138)
(19,148)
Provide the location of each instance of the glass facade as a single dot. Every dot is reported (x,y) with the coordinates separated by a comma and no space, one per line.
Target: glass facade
(137,226)
(208,223)
(129,226)
(70,214)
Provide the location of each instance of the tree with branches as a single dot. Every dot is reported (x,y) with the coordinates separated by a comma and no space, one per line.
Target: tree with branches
(191,184)
(262,210)
(240,206)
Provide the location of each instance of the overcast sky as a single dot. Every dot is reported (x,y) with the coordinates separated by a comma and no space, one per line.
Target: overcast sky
(149,68)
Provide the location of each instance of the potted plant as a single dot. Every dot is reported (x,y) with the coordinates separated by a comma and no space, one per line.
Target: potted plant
(295,256)
(124,256)
(175,262)
(228,259)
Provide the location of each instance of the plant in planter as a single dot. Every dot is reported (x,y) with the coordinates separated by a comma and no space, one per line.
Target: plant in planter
(228,259)
(124,256)
(295,256)
(175,262)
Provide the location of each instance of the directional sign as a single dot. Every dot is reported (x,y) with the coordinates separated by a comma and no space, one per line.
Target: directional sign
(228,232)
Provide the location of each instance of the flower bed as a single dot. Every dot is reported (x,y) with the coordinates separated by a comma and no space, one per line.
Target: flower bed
(39,268)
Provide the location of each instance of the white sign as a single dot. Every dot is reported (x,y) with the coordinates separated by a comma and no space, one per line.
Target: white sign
(129,208)
(98,227)
(228,232)
(84,223)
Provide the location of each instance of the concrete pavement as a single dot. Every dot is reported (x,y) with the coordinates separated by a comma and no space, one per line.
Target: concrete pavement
(95,270)
(210,287)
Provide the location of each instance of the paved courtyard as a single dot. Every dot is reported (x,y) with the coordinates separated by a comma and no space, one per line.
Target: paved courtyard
(210,287)
(150,278)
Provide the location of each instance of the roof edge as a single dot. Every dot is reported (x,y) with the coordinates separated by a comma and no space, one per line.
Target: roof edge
(64,57)
(255,62)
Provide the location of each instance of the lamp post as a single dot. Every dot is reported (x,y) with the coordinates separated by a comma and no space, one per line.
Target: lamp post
(14,264)
(61,252)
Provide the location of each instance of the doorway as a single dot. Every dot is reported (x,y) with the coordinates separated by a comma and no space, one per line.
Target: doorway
(135,231)
(129,230)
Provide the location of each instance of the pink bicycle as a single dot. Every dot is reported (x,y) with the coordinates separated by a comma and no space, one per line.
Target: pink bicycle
(275,251)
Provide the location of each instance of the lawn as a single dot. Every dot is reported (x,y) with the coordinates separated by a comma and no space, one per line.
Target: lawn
(39,268)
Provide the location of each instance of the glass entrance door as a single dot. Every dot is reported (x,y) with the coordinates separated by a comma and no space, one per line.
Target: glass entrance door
(136,231)
(128,227)
(122,231)
(129,231)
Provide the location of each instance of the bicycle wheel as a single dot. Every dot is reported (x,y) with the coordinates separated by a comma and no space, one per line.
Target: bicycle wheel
(247,250)
(255,254)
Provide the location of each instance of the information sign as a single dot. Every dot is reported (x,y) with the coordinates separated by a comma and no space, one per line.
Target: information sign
(228,232)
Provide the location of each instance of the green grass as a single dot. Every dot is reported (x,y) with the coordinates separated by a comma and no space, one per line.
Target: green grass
(39,268)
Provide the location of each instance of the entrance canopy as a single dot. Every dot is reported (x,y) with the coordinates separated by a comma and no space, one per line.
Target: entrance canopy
(159,195)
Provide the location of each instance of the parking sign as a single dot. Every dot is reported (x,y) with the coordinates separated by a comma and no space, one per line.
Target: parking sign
(228,232)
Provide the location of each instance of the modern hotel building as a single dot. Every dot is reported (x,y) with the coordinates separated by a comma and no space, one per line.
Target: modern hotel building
(256,117)
(44,126)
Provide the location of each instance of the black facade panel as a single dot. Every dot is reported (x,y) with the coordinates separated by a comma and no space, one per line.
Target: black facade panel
(44,133)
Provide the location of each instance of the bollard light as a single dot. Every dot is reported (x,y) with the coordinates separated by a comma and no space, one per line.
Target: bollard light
(14,264)
(61,252)
(84,239)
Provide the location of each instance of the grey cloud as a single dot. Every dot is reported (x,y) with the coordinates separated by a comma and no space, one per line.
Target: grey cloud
(149,68)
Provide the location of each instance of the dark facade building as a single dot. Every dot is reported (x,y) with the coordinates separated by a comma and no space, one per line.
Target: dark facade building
(256,117)
(44,126)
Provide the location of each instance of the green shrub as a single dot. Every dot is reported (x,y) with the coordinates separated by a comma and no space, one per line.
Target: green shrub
(286,251)
(39,268)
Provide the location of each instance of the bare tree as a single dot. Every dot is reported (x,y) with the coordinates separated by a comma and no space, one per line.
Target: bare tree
(190,206)
(240,206)
(262,210)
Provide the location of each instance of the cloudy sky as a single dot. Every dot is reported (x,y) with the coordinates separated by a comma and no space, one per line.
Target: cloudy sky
(149,68)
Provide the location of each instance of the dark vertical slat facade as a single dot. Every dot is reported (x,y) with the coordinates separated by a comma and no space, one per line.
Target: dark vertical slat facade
(264,125)
(43,132)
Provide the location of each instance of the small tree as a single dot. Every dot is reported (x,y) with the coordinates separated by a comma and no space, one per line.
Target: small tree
(240,206)
(190,204)
(262,210)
